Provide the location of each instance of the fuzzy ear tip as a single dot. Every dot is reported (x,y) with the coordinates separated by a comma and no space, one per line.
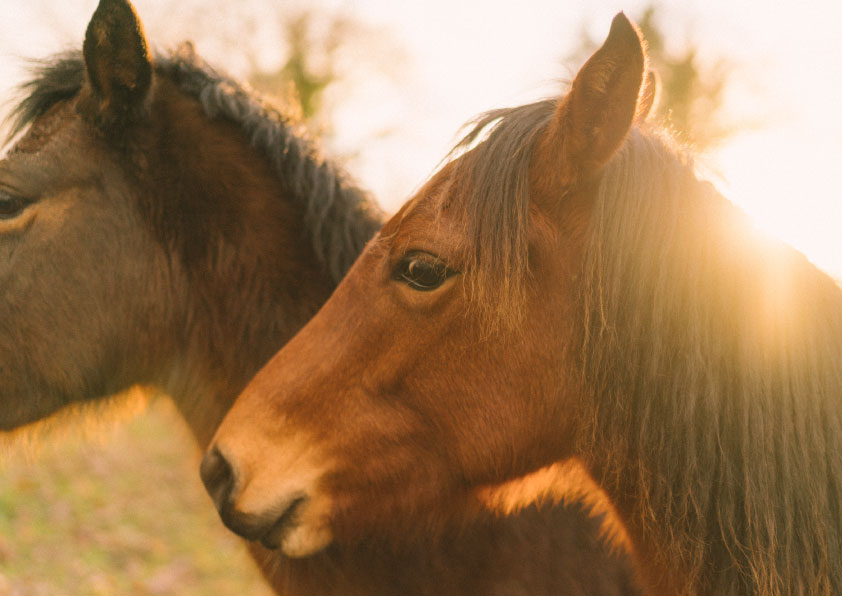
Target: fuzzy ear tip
(623,29)
(619,22)
(116,53)
(106,4)
(107,15)
(112,7)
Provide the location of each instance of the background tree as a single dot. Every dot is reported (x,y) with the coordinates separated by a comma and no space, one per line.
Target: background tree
(300,52)
(302,78)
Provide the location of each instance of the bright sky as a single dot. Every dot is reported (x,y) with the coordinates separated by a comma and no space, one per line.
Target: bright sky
(451,59)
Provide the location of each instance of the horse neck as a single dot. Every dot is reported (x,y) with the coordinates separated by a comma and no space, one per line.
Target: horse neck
(254,282)
(239,317)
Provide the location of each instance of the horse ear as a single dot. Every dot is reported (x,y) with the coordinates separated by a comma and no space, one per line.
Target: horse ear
(648,96)
(117,59)
(592,121)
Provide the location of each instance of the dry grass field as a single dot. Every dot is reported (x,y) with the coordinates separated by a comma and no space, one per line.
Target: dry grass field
(123,514)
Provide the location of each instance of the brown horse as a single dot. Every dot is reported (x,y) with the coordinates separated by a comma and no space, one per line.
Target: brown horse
(162,226)
(565,288)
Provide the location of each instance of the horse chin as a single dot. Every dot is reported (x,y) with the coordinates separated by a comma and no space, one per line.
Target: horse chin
(308,530)
(304,540)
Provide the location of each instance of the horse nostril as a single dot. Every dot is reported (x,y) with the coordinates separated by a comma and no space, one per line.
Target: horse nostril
(218,477)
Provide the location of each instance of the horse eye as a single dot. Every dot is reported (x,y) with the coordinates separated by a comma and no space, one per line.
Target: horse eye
(11,206)
(421,271)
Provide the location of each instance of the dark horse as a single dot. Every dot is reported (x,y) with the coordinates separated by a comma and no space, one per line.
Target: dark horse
(161,226)
(565,288)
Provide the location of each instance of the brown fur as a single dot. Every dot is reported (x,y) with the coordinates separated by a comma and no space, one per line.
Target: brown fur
(600,304)
(176,245)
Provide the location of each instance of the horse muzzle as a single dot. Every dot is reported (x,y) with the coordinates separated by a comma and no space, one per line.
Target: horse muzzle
(291,520)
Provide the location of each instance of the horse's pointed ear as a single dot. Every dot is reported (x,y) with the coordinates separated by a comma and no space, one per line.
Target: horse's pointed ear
(648,96)
(593,120)
(117,59)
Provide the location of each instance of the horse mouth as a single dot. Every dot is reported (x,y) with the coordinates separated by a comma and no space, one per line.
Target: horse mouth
(268,528)
(274,535)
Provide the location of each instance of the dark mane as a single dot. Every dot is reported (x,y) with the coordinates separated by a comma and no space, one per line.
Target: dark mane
(496,208)
(722,349)
(714,353)
(340,216)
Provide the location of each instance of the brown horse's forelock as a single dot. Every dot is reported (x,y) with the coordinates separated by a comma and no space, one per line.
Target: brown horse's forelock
(340,217)
(715,357)
(492,203)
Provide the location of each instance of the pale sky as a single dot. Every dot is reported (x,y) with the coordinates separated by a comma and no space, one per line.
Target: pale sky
(448,60)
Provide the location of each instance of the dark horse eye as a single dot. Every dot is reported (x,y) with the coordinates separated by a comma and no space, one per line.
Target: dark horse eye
(421,271)
(11,206)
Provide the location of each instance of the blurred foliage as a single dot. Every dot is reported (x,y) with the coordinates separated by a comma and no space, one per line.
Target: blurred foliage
(323,61)
(691,94)
(296,50)
(301,78)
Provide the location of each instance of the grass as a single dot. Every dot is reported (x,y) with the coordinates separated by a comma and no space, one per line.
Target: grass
(123,515)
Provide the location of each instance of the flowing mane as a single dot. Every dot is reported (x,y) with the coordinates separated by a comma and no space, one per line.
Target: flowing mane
(706,330)
(340,217)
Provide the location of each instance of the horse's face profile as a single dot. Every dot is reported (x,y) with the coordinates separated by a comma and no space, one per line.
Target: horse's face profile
(395,396)
(566,289)
(71,242)
(428,376)
(128,220)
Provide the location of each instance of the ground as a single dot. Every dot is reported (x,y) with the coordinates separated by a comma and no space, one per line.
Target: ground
(124,514)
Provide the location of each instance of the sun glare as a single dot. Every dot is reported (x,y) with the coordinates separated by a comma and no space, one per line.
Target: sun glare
(789,187)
